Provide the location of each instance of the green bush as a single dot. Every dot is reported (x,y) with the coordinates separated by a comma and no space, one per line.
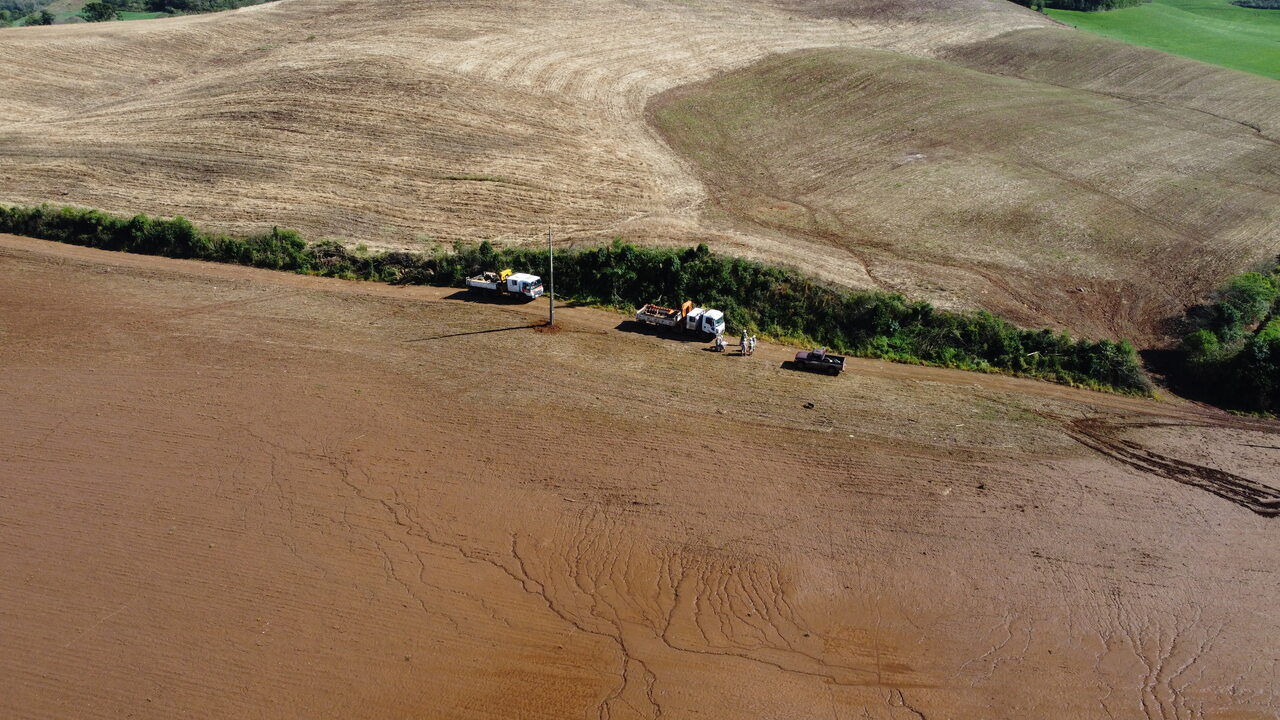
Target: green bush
(99,12)
(196,6)
(1201,346)
(1270,330)
(1248,298)
(1232,358)
(759,298)
(19,7)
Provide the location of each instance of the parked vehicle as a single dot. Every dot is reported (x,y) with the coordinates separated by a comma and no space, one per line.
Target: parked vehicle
(687,319)
(819,360)
(507,283)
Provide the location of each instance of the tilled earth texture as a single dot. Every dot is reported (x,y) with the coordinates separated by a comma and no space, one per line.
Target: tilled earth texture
(994,160)
(231,493)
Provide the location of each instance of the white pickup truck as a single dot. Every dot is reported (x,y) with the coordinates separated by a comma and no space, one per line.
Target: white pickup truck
(507,283)
(687,319)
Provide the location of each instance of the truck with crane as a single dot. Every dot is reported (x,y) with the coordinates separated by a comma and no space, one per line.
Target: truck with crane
(688,318)
(507,283)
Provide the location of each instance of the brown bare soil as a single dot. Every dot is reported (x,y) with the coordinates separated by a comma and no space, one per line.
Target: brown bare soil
(232,493)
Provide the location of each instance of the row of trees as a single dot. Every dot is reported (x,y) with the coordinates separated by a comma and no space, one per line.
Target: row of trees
(1087,5)
(176,6)
(1231,355)
(24,12)
(33,12)
(762,299)
(1258,4)
(99,12)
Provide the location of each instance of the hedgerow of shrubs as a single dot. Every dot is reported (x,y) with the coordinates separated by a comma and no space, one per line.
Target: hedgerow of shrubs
(179,6)
(774,301)
(1085,5)
(1231,356)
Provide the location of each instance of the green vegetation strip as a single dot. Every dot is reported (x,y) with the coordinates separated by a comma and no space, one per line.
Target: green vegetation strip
(1212,31)
(1084,5)
(37,12)
(129,9)
(1231,354)
(773,301)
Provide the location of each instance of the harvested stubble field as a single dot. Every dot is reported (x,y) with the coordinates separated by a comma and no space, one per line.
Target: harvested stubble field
(1049,203)
(405,123)
(236,493)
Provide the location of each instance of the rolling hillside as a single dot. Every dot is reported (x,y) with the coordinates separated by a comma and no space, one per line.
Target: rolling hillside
(400,124)
(1046,201)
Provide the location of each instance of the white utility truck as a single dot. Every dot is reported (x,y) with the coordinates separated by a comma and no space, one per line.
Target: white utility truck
(687,319)
(507,283)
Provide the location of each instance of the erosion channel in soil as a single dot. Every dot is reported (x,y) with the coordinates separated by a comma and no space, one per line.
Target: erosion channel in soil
(234,493)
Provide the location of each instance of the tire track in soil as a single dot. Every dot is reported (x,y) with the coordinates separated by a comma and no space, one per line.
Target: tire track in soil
(1104,436)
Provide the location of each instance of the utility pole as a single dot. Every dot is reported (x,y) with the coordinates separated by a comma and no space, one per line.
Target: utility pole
(551,285)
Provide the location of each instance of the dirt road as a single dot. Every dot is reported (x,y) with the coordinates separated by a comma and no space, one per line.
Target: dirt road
(233,493)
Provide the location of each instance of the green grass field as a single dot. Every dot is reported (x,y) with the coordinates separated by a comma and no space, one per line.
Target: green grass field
(64,16)
(1212,31)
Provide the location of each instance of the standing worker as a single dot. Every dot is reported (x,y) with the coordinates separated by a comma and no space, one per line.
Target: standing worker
(742,345)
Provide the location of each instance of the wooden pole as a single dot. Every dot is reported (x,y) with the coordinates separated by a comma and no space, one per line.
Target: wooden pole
(551,284)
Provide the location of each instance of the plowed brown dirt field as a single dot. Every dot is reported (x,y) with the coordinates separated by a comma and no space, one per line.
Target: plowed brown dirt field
(231,493)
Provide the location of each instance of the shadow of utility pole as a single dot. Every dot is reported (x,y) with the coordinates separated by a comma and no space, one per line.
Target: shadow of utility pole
(476,332)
